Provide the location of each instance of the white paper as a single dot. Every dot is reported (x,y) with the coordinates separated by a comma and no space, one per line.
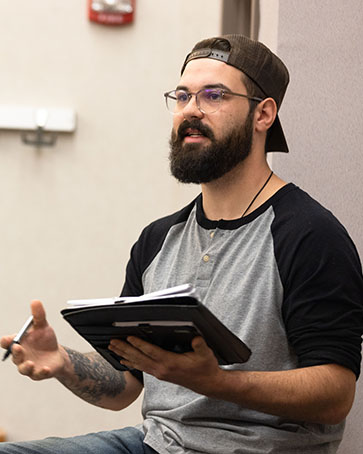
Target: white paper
(180,290)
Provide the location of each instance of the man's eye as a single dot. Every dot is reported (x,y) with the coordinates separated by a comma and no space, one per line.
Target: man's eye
(181,96)
(212,95)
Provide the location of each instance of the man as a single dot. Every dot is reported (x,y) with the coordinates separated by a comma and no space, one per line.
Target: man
(271,263)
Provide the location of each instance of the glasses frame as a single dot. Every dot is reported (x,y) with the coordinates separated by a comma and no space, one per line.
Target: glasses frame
(224,92)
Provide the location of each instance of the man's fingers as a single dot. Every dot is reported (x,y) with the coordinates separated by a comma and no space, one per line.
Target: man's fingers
(43,373)
(17,354)
(137,350)
(38,312)
(152,351)
(26,368)
(6,341)
(200,346)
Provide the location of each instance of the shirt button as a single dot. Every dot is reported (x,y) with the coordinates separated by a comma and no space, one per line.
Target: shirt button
(212,234)
(206,258)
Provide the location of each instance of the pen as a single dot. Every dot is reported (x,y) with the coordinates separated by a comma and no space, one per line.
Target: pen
(19,336)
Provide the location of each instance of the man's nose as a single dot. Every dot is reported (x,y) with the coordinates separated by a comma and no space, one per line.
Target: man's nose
(191,110)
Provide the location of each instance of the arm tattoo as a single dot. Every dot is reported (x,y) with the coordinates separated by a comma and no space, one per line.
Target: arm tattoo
(96,377)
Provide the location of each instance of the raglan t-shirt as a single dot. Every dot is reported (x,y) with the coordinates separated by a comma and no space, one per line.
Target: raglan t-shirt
(287,280)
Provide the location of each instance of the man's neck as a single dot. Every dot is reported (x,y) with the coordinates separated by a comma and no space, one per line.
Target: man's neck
(228,197)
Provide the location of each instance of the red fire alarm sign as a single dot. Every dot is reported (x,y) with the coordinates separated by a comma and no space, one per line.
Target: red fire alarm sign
(111,12)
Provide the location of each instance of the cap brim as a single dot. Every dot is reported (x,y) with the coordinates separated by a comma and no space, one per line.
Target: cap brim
(276,138)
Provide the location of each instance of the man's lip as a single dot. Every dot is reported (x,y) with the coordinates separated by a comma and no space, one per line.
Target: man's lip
(195,133)
(190,131)
(194,138)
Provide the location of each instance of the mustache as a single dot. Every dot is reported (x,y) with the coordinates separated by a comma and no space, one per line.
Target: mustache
(194,124)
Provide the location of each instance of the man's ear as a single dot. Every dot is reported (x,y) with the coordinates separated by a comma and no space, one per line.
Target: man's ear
(265,114)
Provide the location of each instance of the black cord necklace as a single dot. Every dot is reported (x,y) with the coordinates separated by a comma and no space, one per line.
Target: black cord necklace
(259,192)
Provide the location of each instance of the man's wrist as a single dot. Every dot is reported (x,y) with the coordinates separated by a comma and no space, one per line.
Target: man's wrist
(222,385)
(66,369)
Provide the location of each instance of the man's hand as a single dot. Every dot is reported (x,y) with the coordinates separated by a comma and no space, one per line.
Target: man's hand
(39,356)
(195,370)
(88,376)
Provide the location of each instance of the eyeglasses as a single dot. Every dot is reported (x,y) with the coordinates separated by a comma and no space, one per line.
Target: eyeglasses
(208,100)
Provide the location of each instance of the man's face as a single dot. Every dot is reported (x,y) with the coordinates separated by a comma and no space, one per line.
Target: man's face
(204,147)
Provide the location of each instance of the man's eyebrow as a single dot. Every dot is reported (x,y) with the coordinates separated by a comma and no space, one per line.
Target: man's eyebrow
(210,86)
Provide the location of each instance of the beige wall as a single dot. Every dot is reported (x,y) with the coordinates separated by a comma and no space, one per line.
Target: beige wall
(70,214)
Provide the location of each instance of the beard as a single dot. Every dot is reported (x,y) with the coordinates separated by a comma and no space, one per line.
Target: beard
(196,163)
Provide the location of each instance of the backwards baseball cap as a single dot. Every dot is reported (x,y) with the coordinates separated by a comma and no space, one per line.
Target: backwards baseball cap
(262,66)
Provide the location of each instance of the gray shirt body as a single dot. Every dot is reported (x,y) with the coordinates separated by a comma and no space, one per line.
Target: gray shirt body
(234,265)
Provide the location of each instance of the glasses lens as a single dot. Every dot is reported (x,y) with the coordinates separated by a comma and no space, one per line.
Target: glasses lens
(209,100)
(176,100)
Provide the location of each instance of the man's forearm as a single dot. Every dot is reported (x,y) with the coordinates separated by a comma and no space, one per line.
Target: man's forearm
(321,394)
(94,380)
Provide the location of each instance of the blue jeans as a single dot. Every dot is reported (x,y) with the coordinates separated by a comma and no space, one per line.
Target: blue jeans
(122,441)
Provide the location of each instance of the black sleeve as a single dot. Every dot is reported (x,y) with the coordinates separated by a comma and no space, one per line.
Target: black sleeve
(323,289)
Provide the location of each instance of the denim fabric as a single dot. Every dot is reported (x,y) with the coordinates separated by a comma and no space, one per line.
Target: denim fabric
(123,441)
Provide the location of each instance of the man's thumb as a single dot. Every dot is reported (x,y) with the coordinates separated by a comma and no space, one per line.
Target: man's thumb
(38,312)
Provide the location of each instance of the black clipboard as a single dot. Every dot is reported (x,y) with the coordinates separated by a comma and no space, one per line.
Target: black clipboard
(171,322)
